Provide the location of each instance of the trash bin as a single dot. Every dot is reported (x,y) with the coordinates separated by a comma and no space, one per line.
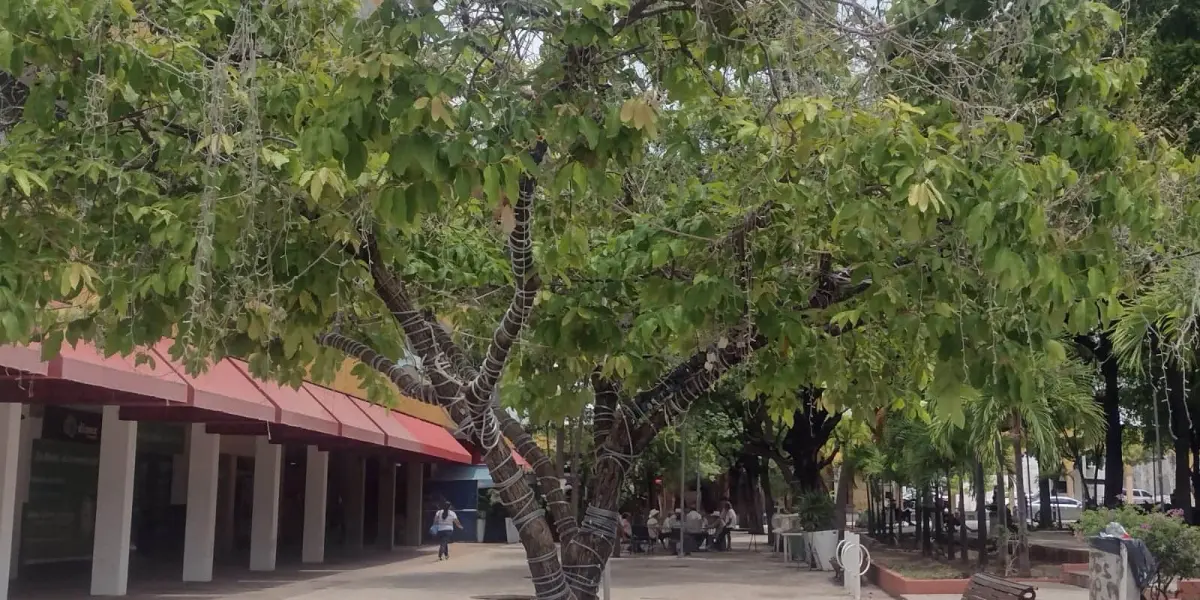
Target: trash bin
(1120,567)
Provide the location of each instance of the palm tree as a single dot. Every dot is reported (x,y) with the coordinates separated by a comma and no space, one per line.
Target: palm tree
(1062,401)
(1158,335)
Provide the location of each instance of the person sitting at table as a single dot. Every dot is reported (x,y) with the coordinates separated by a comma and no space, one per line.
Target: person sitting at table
(670,529)
(653,529)
(713,531)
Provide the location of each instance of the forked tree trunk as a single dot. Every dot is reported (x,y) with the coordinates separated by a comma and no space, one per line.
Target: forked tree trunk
(1023,567)
(572,571)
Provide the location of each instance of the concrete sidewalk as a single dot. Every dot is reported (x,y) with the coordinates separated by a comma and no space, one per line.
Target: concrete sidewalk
(499,572)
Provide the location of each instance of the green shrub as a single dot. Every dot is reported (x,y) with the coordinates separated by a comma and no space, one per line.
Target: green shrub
(815,511)
(1173,542)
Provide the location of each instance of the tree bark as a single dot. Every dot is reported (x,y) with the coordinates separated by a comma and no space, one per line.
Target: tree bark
(1023,566)
(1001,509)
(560,449)
(981,513)
(1114,461)
(1046,509)
(1110,402)
(811,430)
(767,495)
(842,497)
(926,541)
(962,515)
(1181,429)
(576,458)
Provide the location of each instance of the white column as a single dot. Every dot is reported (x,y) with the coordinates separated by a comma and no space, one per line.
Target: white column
(386,538)
(354,501)
(200,530)
(316,482)
(114,504)
(264,525)
(414,525)
(31,429)
(10,449)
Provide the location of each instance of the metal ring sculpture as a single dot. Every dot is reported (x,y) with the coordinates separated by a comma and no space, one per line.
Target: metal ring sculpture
(843,546)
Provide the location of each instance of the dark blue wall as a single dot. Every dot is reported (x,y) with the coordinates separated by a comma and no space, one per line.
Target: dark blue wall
(464,499)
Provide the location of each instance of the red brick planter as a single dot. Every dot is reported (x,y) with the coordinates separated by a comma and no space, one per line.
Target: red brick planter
(897,585)
(1189,589)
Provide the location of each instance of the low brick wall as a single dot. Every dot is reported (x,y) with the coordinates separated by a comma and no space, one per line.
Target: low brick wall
(897,585)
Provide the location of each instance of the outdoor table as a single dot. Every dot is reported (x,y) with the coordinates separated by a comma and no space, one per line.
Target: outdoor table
(787,543)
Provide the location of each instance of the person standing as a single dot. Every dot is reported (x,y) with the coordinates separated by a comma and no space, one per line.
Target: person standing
(444,524)
(729,522)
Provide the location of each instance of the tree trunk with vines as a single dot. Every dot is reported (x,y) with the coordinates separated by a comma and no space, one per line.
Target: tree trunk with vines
(1023,566)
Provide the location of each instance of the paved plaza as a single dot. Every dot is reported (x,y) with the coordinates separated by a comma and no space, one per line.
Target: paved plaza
(478,572)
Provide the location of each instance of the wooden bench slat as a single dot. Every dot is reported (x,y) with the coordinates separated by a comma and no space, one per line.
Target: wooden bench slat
(990,587)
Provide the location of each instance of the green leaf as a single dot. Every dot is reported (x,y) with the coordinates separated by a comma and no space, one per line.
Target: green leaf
(1056,352)
(23,182)
(491,184)
(126,6)
(6,48)
(1095,282)
(590,130)
(291,343)
(659,255)
(52,345)
(440,112)
(356,159)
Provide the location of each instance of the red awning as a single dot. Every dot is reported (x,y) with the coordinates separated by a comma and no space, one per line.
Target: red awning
(354,423)
(223,388)
(226,389)
(27,359)
(434,440)
(397,436)
(84,364)
(520,460)
(296,408)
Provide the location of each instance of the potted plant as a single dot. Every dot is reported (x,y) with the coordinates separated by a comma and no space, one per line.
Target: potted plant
(814,512)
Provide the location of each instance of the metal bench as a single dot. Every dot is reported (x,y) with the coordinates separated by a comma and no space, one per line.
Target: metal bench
(990,587)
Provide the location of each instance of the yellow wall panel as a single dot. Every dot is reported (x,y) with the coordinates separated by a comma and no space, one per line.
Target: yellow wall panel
(347,383)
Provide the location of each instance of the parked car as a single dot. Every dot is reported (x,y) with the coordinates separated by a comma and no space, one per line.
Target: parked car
(1138,497)
(1063,509)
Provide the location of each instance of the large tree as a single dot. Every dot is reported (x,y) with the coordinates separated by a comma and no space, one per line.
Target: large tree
(635,197)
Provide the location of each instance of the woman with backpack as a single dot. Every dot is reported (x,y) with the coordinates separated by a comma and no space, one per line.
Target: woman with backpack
(444,524)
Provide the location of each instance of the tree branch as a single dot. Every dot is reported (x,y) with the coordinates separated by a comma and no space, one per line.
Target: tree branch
(608,394)
(526,284)
(641,10)
(417,330)
(445,345)
(405,378)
